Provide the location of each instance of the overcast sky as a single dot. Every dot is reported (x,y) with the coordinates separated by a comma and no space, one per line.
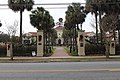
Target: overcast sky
(8,16)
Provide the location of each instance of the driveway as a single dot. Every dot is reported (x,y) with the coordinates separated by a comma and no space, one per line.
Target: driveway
(60,52)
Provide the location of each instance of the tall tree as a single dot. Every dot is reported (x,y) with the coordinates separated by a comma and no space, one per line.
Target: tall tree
(75,15)
(42,20)
(104,6)
(94,10)
(12,29)
(108,20)
(20,5)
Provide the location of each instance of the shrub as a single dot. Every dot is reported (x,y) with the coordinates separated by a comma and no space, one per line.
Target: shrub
(94,49)
(3,51)
(117,49)
(49,51)
(21,50)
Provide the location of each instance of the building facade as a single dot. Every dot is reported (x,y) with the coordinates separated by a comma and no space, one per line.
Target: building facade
(29,38)
(59,29)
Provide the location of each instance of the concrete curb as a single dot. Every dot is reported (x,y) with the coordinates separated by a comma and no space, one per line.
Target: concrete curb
(56,59)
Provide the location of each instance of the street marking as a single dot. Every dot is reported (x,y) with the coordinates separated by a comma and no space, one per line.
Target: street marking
(39,70)
(81,70)
(115,70)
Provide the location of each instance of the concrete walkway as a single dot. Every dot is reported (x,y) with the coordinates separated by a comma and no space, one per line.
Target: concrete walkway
(60,52)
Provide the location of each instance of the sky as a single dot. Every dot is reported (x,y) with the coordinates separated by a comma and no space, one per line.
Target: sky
(7,16)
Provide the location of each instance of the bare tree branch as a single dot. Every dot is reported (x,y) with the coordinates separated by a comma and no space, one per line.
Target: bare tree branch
(12,29)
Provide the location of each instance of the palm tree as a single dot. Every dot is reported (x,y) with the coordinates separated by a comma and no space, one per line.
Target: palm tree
(75,15)
(20,5)
(93,8)
(42,20)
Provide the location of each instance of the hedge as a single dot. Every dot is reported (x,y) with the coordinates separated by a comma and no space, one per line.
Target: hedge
(94,49)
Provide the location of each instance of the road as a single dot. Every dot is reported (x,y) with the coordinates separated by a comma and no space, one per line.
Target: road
(61,71)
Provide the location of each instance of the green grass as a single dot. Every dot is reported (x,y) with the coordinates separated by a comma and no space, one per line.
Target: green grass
(73,53)
(49,53)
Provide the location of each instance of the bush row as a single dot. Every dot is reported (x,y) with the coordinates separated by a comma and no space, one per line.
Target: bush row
(23,50)
(20,50)
(91,49)
(3,51)
(117,50)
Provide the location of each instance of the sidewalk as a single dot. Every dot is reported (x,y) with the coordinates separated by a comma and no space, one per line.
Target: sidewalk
(60,52)
(58,59)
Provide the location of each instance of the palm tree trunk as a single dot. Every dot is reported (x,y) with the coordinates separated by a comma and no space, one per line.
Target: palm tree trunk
(70,41)
(46,46)
(96,20)
(20,26)
(76,40)
(73,39)
(80,26)
(101,32)
(44,41)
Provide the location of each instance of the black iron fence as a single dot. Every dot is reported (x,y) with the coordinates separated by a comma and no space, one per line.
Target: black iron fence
(22,50)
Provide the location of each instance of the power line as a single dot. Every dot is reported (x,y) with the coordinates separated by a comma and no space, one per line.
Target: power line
(45,8)
(54,4)
(50,4)
(42,4)
(64,3)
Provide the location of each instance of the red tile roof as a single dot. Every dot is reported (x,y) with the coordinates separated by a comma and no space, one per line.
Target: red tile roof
(33,33)
(59,28)
(88,32)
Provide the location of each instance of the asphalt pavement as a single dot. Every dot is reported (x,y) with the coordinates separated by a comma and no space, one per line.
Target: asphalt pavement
(103,70)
